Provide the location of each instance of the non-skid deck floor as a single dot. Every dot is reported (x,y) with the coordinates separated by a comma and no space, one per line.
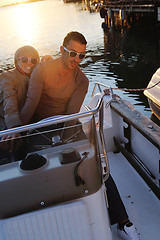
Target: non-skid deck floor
(142,206)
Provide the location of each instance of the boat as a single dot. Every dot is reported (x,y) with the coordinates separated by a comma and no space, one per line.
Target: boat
(152,93)
(57,191)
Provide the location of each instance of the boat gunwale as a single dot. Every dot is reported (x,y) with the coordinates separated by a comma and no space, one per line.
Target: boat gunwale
(144,125)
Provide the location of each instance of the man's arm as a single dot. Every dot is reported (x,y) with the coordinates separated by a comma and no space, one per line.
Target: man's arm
(79,94)
(75,103)
(33,95)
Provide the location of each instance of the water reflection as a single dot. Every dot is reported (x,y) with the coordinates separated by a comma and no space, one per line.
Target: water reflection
(25,22)
(134,58)
(7,3)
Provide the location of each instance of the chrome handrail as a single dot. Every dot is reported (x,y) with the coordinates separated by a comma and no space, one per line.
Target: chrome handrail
(101,133)
(55,120)
(103,144)
(99,87)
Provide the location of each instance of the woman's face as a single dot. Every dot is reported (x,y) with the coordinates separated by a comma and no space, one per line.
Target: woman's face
(27,64)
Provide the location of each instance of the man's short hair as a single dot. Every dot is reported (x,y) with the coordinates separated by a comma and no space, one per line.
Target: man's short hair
(75,36)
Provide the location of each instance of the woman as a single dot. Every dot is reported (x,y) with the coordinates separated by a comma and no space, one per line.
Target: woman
(14,84)
(13,88)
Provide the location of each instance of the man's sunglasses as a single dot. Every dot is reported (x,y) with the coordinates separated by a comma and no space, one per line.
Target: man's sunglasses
(73,53)
(26,59)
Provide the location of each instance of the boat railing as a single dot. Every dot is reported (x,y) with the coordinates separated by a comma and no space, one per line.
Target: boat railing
(54,120)
(99,85)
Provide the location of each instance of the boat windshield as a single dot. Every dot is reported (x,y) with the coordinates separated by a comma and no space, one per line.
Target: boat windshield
(47,137)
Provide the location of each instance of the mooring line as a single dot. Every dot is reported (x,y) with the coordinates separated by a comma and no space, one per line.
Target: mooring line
(136,89)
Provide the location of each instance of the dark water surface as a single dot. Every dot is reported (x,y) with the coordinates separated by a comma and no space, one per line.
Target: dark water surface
(118,58)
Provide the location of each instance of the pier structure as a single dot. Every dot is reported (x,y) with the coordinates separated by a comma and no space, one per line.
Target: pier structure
(130,12)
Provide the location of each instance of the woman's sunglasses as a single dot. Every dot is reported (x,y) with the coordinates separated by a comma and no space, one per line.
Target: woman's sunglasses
(73,54)
(26,59)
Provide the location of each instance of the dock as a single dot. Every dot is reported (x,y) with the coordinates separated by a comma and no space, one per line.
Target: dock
(130,12)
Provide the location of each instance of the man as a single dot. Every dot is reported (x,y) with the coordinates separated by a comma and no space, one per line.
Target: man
(58,86)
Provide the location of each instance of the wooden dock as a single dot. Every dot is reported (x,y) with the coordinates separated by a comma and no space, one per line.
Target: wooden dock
(130,11)
(132,6)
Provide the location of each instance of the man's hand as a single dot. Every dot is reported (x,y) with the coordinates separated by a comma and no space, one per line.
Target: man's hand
(46,58)
(11,142)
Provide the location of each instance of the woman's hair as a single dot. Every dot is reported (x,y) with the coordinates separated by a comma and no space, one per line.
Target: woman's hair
(26,51)
(76,36)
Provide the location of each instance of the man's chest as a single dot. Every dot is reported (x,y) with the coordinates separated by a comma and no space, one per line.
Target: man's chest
(59,87)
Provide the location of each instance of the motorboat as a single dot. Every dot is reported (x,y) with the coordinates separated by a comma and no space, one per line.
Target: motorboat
(152,92)
(57,190)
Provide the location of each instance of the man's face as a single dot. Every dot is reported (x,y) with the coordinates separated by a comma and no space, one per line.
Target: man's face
(70,61)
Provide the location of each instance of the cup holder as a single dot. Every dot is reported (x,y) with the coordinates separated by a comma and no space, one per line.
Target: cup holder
(69,155)
(32,162)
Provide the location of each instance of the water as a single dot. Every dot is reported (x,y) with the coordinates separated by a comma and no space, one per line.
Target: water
(120,59)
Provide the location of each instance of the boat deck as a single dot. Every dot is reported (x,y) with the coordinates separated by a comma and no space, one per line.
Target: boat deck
(142,206)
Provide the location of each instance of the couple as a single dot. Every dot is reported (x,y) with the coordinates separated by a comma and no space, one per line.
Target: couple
(56,87)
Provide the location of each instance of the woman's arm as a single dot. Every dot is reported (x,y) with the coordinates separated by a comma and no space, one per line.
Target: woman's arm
(9,100)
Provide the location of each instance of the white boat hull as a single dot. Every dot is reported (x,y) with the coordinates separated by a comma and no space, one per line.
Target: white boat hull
(70,220)
(152,92)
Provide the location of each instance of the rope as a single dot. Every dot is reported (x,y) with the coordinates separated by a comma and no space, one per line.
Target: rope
(134,89)
(129,89)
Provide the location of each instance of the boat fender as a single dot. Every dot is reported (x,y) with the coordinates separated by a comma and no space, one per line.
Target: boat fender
(32,162)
